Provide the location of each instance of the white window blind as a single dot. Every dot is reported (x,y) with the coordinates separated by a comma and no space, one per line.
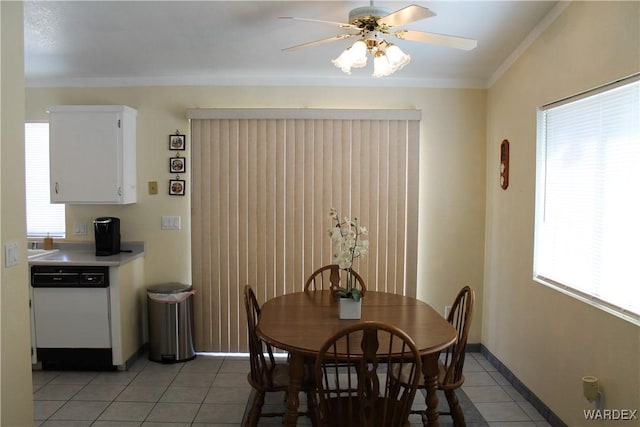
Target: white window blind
(42,217)
(588,197)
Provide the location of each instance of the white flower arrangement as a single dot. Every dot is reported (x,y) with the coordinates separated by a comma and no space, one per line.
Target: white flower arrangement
(348,244)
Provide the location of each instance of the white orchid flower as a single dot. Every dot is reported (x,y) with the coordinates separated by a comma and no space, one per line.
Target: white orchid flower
(346,241)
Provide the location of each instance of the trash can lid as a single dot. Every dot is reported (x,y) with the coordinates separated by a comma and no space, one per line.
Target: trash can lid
(169,288)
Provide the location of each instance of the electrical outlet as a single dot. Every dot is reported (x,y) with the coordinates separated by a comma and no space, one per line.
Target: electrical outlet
(153,187)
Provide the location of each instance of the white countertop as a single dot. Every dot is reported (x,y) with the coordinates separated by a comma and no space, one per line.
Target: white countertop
(84,254)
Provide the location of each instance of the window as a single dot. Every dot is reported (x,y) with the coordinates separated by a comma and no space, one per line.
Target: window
(587,229)
(42,217)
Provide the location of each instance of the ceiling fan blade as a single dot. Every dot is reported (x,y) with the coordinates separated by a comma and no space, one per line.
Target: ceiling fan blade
(337,24)
(321,41)
(405,15)
(439,39)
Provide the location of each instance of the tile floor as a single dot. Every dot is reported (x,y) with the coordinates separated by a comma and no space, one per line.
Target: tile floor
(212,391)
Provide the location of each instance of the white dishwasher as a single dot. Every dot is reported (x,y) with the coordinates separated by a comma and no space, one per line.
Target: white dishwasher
(71,316)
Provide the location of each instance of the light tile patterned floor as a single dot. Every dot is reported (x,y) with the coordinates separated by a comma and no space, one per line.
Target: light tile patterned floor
(212,391)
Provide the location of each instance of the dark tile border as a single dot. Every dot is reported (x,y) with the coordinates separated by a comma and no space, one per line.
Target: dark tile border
(473,348)
(471,413)
(472,416)
(535,401)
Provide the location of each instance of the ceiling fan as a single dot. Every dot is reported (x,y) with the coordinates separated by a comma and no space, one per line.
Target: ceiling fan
(371,24)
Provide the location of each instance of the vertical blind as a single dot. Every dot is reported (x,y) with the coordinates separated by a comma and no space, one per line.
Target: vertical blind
(263,182)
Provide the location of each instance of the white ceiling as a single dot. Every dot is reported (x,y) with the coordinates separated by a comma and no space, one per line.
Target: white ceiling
(141,43)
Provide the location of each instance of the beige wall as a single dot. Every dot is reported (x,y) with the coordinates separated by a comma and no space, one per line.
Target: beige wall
(451,184)
(16,406)
(547,339)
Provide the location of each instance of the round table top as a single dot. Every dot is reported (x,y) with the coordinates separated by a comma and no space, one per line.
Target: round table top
(301,322)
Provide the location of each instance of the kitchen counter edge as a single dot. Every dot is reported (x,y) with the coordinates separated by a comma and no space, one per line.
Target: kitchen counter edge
(84,254)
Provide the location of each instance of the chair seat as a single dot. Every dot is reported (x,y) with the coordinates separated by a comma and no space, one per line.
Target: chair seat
(279,377)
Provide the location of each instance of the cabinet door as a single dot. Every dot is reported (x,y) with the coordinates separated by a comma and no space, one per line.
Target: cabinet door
(86,157)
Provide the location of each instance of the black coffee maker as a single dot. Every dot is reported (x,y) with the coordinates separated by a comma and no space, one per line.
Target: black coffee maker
(107,231)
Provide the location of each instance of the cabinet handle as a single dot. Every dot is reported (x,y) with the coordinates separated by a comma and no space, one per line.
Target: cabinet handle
(119,191)
(56,188)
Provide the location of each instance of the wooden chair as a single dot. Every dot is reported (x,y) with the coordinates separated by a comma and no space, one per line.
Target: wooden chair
(353,373)
(330,277)
(266,375)
(451,361)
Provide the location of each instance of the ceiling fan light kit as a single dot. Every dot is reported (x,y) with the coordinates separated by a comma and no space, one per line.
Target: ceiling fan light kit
(389,60)
(387,57)
(353,57)
(372,24)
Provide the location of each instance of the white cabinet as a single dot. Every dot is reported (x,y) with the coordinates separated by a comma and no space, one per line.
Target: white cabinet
(92,151)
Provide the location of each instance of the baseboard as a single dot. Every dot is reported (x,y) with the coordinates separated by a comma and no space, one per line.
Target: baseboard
(143,351)
(473,348)
(535,401)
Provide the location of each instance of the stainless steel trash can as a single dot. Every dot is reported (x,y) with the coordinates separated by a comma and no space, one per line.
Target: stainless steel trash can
(170,323)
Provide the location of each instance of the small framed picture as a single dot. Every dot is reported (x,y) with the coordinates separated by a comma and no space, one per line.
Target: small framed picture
(176,187)
(177,165)
(177,142)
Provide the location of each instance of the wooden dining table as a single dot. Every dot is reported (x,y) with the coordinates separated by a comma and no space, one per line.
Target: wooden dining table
(301,322)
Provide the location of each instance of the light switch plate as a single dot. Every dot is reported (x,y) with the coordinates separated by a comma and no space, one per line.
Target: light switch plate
(170,223)
(80,228)
(11,254)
